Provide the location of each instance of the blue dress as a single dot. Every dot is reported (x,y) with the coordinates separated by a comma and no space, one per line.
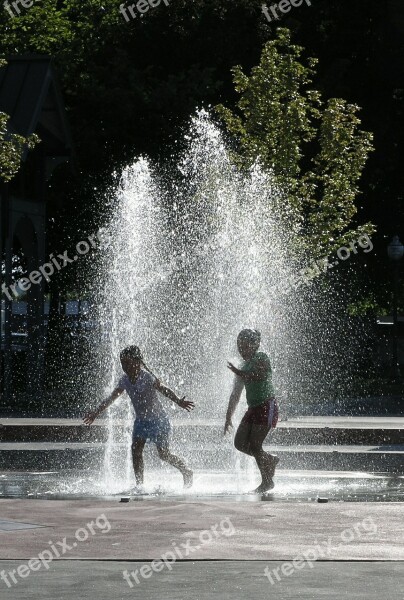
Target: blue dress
(151,422)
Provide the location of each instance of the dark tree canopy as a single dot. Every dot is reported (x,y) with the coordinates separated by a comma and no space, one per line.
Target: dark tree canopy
(130,86)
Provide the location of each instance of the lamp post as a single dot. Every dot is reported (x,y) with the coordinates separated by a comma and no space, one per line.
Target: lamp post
(395,251)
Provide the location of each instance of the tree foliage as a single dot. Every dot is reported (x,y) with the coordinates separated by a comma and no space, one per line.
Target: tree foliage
(314,148)
(12,148)
(130,86)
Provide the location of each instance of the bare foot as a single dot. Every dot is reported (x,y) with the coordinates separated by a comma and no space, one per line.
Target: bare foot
(265,486)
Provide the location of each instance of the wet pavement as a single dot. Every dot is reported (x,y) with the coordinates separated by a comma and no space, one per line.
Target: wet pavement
(291,486)
(69,535)
(323,532)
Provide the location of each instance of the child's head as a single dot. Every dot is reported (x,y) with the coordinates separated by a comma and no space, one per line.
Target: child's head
(131,359)
(248,342)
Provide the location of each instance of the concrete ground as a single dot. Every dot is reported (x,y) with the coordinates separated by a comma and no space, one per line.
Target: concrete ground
(67,580)
(101,530)
(176,548)
(98,550)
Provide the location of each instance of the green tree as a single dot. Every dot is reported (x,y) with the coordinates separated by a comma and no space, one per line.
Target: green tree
(315,149)
(12,146)
(129,86)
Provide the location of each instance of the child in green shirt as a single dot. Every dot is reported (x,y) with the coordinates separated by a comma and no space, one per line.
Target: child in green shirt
(262,414)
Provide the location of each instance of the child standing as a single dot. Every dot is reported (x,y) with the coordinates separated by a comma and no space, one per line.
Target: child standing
(151,421)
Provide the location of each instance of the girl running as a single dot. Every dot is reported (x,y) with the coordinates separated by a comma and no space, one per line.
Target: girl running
(262,414)
(151,421)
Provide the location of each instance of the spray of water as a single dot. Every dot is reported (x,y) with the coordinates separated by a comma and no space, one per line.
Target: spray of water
(194,257)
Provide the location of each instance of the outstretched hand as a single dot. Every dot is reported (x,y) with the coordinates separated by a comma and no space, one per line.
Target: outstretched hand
(186,404)
(235,370)
(89,418)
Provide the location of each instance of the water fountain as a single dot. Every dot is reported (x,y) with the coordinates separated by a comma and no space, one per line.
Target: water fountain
(194,256)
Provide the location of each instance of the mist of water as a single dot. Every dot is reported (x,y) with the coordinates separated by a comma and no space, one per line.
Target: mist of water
(195,256)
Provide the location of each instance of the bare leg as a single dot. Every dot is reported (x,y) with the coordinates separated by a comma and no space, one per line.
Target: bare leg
(249,439)
(242,438)
(137,457)
(263,459)
(171,459)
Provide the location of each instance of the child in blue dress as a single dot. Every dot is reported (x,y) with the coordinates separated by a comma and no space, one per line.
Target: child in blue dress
(151,422)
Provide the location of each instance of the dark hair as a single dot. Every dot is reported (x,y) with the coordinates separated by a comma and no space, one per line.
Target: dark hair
(251,336)
(132,352)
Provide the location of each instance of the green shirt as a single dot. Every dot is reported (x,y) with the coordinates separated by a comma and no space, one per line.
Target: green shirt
(258,391)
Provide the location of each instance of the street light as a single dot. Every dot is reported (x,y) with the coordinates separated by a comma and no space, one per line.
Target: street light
(395,252)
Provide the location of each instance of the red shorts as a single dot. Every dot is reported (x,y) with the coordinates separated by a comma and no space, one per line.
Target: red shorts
(264,414)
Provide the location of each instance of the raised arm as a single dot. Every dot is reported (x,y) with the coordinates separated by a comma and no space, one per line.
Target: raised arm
(235,396)
(90,417)
(163,389)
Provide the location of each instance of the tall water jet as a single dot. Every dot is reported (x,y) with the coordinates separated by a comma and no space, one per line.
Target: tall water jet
(194,256)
